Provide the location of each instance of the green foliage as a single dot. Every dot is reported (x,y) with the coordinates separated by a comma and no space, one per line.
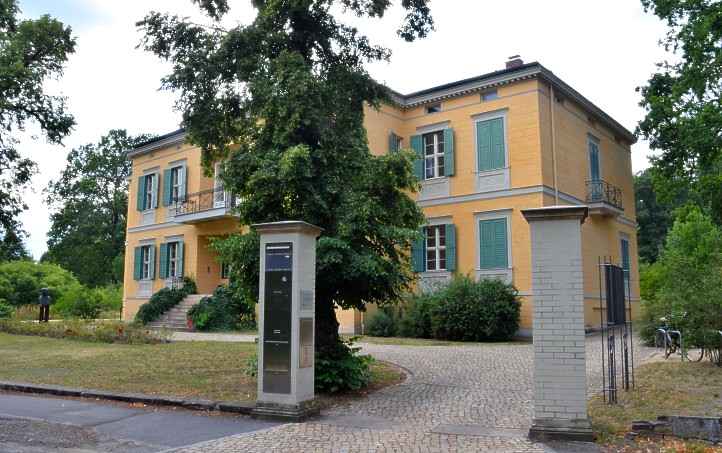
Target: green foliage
(21,281)
(683,104)
(101,332)
(654,215)
(650,282)
(89,303)
(281,102)
(250,367)
(684,285)
(32,51)
(343,370)
(164,300)
(382,324)
(468,310)
(6,311)
(416,316)
(222,311)
(87,232)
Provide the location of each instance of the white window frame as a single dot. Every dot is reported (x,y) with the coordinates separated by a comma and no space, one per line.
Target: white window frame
(145,260)
(176,183)
(220,196)
(173,260)
(436,249)
(436,156)
(150,191)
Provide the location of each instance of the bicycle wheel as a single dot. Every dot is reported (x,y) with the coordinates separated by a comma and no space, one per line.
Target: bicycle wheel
(714,356)
(669,349)
(702,353)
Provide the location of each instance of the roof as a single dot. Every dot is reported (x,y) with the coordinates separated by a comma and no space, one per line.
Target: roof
(455,89)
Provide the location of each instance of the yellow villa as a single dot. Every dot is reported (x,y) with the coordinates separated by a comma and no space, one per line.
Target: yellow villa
(487,148)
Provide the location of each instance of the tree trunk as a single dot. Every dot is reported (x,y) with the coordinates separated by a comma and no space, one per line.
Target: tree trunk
(327,338)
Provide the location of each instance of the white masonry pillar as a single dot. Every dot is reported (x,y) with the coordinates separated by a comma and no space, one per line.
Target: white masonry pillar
(560,381)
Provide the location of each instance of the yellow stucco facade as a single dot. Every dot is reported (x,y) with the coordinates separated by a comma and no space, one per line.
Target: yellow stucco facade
(544,150)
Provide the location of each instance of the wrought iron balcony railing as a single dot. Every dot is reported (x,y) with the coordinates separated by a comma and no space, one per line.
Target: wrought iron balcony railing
(204,200)
(599,191)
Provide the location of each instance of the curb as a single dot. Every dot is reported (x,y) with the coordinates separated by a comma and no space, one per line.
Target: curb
(150,400)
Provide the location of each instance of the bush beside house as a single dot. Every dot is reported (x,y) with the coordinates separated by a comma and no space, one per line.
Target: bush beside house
(463,310)
(164,300)
(224,310)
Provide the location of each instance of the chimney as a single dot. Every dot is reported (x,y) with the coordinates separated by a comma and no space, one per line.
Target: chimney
(514,62)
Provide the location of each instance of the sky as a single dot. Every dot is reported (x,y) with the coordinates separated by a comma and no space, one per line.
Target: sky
(604,49)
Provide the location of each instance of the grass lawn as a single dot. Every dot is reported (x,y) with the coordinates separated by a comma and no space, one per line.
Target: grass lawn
(208,370)
(662,388)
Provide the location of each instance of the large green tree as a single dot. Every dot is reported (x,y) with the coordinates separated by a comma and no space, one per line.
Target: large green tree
(31,52)
(281,100)
(683,102)
(87,232)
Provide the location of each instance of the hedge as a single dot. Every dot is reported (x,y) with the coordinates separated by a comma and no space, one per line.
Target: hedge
(164,300)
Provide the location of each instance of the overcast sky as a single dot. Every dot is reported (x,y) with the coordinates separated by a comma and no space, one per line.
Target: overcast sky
(604,49)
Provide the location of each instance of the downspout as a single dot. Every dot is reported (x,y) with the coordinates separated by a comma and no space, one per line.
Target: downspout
(554,143)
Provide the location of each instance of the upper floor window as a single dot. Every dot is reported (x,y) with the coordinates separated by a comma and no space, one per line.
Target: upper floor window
(594,167)
(490,144)
(436,248)
(489,95)
(433,108)
(434,155)
(176,183)
(626,263)
(147,189)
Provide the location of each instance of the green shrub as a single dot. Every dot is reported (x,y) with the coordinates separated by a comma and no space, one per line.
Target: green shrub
(250,368)
(382,324)
(85,303)
(101,332)
(469,310)
(224,310)
(343,370)
(416,312)
(164,300)
(6,311)
(21,281)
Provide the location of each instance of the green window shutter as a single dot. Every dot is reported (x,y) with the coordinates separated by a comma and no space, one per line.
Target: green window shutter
(137,263)
(141,194)
(417,144)
(163,261)
(181,251)
(418,253)
(450,247)
(593,161)
(493,250)
(393,142)
(167,188)
(151,273)
(449,151)
(490,144)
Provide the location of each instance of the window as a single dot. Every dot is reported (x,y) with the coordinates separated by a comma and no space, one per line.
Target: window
(433,155)
(433,108)
(173,260)
(594,169)
(436,248)
(147,262)
(176,183)
(626,265)
(493,246)
(489,95)
(149,194)
(225,270)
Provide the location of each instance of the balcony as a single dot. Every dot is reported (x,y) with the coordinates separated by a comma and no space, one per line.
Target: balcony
(203,206)
(604,199)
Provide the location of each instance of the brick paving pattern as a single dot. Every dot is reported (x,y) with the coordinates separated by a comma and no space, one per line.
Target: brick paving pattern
(457,398)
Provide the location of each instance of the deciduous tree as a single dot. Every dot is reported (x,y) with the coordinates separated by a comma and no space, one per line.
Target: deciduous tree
(90,198)
(31,52)
(281,100)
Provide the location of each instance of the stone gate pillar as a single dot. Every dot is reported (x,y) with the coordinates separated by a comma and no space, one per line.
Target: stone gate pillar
(560,381)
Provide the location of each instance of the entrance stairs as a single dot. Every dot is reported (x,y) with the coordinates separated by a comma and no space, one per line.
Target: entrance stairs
(175,318)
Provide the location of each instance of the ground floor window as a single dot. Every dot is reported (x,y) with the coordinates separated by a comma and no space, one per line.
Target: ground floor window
(225,270)
(171,259)
(144,265)
(435,248)
(493,244)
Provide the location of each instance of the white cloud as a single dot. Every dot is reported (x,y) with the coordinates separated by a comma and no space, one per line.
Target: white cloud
(603,49)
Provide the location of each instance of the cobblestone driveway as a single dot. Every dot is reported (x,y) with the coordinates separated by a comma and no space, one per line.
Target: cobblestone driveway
(456,398)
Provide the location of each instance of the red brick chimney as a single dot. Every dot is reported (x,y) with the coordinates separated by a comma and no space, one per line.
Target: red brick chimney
(514,62)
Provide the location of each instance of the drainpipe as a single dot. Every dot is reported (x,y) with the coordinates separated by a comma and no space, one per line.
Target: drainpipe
(554,140)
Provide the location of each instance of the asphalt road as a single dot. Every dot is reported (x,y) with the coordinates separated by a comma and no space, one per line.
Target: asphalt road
(41,424)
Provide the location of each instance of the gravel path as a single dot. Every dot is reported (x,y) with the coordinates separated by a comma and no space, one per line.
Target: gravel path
(457,398)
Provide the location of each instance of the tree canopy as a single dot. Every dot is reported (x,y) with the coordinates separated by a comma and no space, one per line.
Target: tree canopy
(683,103)
(31,52)
(281,101)
(87,232)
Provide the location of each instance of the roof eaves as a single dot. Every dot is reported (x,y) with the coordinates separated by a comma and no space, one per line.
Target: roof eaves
(169,139)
